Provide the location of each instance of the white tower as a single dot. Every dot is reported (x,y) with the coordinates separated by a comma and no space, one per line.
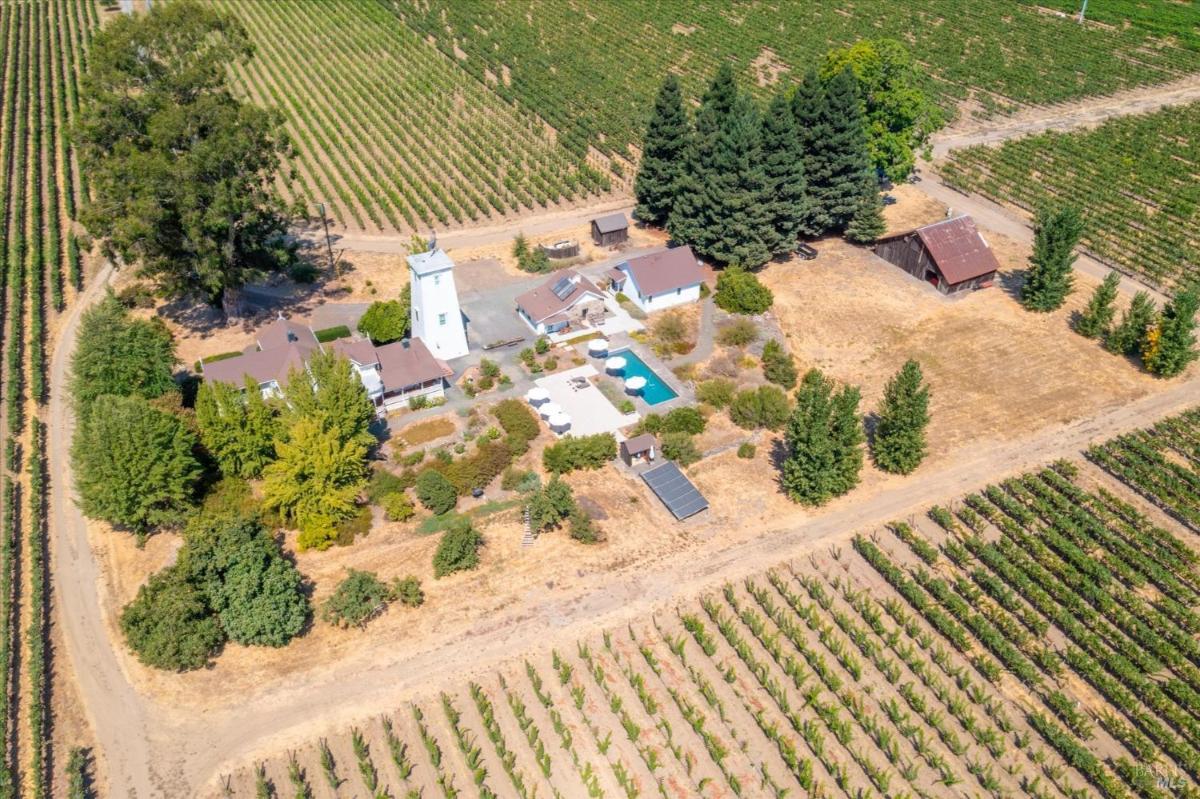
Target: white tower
(436,318)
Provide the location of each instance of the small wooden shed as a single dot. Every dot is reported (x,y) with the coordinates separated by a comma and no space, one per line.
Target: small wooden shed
(610,230)
(638,449)
(950,255)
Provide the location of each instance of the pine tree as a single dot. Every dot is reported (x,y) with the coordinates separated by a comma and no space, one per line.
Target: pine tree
(1175,344)
(867,224)
(1049,278)
(903,417)
(787,191)
(664,154)
(823,439)
(837,163)
(1096,319)
(1126,337)
(722,209)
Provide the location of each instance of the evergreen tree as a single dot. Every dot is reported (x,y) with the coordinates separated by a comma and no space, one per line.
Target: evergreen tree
(837,163)
(1049,278)
(133,464)
(722,208)
(315,480)
(787,191)
(237,427)
(1127,336)
(903,417)
(664,155)
(120,355)
(1096,319)
(824,442)
(867,224)
(1172,345)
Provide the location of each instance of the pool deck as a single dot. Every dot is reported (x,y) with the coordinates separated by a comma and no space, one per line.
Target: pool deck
(589,409)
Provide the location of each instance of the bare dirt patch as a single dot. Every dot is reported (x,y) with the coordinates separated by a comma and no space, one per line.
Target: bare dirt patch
(767,67)
(430,430)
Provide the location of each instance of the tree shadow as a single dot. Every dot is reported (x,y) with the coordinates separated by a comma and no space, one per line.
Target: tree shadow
(1011,283)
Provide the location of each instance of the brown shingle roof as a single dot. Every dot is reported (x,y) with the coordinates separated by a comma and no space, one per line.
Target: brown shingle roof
(639,444)
(660,272)
(359,350)
(957,248)
(405,364)
(263,366)
(542,303)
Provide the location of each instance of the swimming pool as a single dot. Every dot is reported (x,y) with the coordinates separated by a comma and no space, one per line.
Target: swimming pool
(656,390)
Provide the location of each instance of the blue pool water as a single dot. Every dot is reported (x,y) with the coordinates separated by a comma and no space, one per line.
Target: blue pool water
(656,390)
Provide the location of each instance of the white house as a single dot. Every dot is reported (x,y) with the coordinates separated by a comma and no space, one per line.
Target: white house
(392,374)
(436,317)
(659,280)
(564,300)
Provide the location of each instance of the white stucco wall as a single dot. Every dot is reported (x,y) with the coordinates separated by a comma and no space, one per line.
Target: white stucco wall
(436,316)
(658,302)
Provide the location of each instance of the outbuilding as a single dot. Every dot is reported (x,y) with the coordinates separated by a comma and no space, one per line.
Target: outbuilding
(610,230)
(639,449)
(566,300)
(660,280)
(951,255)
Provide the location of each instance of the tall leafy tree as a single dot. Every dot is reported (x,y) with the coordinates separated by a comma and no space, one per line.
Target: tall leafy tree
(837,163)
(1172,346)
(315,480)
(331,394)
(121,355)
(1049,278)
(169,625)
(257,594)
(787,190)
(664,154)
(182,172)
(903,416)
(1096,319)
(386,321)
(237,427)
(900,116)
(134,464)
(722,208)
(823,440)
(1127,337)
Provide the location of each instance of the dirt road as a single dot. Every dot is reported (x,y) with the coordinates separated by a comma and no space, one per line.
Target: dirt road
(1082,114)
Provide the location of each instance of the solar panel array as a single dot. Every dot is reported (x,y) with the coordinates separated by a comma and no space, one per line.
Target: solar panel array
(563,288)
(675,490)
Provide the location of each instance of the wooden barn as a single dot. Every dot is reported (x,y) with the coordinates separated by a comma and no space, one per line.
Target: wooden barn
(950,255)
(610,230)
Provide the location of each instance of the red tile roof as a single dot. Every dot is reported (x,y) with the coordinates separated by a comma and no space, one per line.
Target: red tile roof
(668,270)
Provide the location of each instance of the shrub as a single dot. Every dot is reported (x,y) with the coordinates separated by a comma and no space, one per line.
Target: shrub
(413,458)
(684,420)
(516,418)
(670,329)
(550,364)
(737,333)
(169,625)
(522,480)
(458,550)
(397,507)
(739,291)
(717,392)
(332,333)
(407,592)
(358,598)
(384,322)
(766,406)
(626,406)
(489,368)
(418,402)
(435,492)
(353,526)
(542,345)
(747,450)
(579,452)
(137,295)
(383,483)
(549,506)
(681,448)
(582,528)
(777,365)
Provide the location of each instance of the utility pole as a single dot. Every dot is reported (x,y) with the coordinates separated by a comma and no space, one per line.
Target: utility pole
(1083,11)
(328,243)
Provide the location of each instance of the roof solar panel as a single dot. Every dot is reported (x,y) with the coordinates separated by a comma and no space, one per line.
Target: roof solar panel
(563,288)
(675,490)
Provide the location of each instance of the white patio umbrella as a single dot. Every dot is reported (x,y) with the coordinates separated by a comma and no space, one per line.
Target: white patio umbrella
(560,422)
(635,384)
(615,364)
(598,347)
(537,395)
(548,409)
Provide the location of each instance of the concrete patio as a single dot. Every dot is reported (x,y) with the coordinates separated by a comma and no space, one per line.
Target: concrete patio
(589,409)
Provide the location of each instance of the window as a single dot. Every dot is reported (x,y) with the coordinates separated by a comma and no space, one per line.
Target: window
(416,315)
(437,280)
(442,319)
(678,291)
